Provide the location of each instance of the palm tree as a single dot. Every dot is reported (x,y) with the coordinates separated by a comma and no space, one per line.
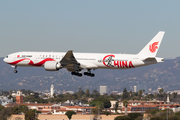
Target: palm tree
(125,103)
(140,93)
(80,90)
(130,93)
(144,91)
(87,92)
(155,95)
(161,91)
(10,92)
(2,91)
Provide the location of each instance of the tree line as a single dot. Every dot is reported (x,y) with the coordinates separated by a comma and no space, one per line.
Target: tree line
(30,114)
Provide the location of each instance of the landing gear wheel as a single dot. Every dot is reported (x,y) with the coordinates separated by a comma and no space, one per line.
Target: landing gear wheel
(92,75)
(85,73)
(88,73)
(76,74)
(15,71)
(80,75)
(73,73)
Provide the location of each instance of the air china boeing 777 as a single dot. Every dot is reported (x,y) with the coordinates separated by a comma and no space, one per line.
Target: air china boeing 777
(75,62)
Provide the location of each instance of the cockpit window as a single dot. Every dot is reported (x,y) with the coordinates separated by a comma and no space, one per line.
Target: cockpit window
(6,56)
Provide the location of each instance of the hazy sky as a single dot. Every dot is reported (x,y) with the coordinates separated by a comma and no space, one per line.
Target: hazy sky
(88,26)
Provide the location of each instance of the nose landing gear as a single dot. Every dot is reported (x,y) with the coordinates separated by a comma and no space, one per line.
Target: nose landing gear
(15,70)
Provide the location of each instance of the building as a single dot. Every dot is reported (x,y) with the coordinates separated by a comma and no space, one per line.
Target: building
(70,92)
(135,88)
(103,90)
(177,91)
(52,91)
(168,101)
(135,106)
(4,100)
(114,92)
(19,97)
(74,103)
(52,108)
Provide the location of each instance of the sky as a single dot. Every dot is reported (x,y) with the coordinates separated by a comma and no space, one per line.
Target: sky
(101,26)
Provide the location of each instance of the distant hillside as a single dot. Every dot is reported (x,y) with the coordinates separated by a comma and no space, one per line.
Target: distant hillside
(165,75)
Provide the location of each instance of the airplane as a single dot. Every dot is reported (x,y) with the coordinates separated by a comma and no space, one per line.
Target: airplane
(76,62)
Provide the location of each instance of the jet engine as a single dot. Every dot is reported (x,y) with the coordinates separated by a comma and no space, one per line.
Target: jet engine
(52,66)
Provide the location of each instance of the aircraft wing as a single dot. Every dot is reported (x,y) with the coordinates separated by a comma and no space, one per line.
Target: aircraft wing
(70,62)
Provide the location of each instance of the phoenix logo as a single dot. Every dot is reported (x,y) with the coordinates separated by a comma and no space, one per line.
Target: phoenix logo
(153,47)
(108,61)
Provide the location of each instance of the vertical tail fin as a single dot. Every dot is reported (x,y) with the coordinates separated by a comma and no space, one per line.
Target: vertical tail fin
(150,50)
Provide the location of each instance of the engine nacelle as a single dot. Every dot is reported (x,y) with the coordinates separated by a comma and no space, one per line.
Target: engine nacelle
(52,66)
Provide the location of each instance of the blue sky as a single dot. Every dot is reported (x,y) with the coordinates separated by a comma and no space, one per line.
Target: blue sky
(101,26)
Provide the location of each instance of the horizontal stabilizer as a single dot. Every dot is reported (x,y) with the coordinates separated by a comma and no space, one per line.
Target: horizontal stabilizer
(149,59)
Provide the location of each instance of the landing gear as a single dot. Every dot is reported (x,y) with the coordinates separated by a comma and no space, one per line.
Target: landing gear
(88,73)
(76,74)
(15,70)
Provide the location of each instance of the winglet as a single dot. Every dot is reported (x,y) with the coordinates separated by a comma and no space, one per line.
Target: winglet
(150,50)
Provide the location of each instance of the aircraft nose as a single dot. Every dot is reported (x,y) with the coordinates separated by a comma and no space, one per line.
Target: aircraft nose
(5,59)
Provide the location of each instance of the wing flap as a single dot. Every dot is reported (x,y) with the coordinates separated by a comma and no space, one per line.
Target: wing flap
(88,65)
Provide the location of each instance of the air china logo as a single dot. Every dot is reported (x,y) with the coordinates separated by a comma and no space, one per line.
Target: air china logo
(153,47)
(108,61)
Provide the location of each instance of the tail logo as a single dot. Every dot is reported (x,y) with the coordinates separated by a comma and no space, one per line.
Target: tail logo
(153,47)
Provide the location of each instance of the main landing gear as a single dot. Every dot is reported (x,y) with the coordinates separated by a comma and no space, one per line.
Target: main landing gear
(15,70)
(88,73)
(76,74)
